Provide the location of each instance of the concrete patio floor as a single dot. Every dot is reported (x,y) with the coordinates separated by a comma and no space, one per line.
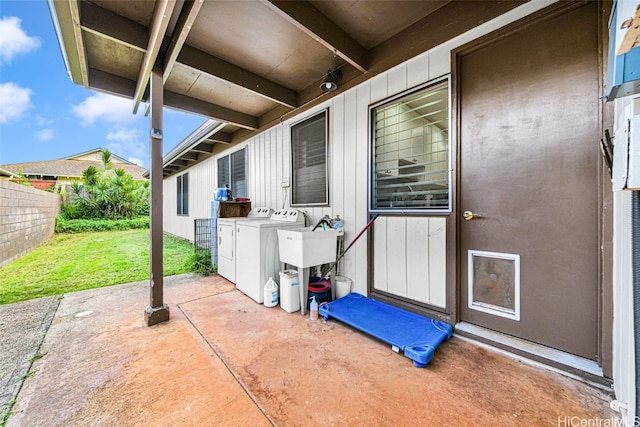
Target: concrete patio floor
(223,360)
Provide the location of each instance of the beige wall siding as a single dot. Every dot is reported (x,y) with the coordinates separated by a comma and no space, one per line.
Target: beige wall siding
(27,219)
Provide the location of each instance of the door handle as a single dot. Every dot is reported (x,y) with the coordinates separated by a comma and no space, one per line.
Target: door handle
(468,215)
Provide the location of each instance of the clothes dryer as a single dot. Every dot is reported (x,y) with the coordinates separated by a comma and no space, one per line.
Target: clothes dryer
(227,240)
(258,256)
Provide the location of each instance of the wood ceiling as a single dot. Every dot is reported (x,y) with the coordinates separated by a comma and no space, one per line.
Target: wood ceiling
(247,65)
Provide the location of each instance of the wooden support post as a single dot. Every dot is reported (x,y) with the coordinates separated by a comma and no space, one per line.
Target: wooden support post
(157,311)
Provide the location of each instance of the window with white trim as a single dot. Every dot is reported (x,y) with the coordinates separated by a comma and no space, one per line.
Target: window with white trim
(182,192)
(309,149)
(232,172)
(410,151)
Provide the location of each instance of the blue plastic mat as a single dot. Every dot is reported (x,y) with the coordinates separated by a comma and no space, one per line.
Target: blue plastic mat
(417,336)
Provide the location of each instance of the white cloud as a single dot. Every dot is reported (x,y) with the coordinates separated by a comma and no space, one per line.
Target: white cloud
(43,121)
(44,134)
(110,108)
(13,40)
(127,142)
(14,101)
(136,161)
(124,135)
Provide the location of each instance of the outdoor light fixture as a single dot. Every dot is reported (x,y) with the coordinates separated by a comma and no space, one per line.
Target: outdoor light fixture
(331,80)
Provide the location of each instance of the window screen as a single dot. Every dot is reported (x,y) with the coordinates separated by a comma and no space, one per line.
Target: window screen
(232,172)
(309,184)
(183,194)
(410,161)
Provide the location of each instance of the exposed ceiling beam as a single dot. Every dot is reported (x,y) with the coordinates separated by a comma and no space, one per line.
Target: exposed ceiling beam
(203,147)
(203,108)
(107,24)
(445,23)
(106,82)
(219,68)
(221,137)
(326,32)
(161,15)
(189,156)
(183,27)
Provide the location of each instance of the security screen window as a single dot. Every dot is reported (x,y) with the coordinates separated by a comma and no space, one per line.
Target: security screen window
(410,146)
(182,186)
(309,184)
(231,172)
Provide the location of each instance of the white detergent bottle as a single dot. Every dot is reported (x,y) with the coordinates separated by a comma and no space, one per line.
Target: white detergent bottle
(270,293)
(313,308)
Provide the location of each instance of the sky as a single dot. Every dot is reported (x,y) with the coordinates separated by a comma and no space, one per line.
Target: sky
(44,116)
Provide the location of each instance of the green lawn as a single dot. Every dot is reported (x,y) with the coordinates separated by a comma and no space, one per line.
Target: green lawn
(72,262)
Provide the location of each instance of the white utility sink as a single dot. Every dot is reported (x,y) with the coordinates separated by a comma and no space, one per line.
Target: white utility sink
(304,248)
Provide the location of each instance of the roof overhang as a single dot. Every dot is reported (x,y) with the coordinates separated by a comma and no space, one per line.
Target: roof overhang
(247,66)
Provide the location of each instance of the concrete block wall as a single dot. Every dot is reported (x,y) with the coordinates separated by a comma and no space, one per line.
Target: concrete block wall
(27,219)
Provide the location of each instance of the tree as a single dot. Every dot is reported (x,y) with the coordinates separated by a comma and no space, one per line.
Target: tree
(106,193)
(106,158)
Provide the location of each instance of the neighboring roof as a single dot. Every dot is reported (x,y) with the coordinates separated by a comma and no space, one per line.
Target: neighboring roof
(4,172)
(71,167)
(98,152)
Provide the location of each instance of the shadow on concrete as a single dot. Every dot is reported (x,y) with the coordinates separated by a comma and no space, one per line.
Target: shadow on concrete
(224,360)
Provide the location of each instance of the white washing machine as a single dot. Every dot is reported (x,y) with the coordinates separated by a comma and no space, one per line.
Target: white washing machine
(258,256)
(227,241)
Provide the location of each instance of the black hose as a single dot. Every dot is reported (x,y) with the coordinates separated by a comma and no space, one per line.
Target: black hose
(635,265)
(322,221)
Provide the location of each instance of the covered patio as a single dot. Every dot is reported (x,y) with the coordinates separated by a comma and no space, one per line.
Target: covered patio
(254,69)
(224,360)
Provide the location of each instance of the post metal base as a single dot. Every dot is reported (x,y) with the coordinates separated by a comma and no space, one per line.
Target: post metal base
(155,315)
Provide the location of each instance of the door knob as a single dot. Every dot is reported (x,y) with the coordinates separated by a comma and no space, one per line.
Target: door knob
(468,215)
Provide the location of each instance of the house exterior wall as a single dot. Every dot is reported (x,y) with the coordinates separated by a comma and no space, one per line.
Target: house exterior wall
(268,157)
(27,219)
(268,162)
(623,327)
(202,184)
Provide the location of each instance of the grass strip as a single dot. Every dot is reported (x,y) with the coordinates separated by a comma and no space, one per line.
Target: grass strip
(74,262)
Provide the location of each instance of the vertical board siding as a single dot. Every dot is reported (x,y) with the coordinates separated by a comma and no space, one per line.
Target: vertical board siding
(623,319)
(275,184)
(202,185)
(623,339)
(397,79)
(279,165)
(349,190)
(418,70)
(378,86)
(380,266)
(410,258)
(362,179)
(437,262)
(418,259)
(336,148)
(420,240)
(396,256)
